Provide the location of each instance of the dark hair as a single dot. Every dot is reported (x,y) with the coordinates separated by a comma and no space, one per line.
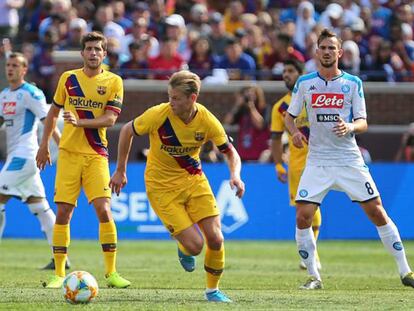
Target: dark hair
(94,36)
(299,66)
(326,33)
(285,38)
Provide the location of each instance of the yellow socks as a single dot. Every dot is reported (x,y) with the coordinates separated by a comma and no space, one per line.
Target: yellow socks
(61,240)
(316,223)
(183,249)
(108,239)
(214,265)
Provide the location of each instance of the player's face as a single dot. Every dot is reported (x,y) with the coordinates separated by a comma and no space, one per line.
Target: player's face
(290,75)
(328,52)
(15,70)
(181,104)
(93,54)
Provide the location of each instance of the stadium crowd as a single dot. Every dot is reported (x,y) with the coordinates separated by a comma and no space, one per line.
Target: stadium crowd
(250,39)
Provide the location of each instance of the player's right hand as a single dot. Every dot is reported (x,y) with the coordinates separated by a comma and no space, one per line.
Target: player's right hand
(281,172)
(298,139)
(117,182)
(43,157)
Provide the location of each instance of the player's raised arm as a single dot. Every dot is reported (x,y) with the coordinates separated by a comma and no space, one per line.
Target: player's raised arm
(119,178)
(43,154)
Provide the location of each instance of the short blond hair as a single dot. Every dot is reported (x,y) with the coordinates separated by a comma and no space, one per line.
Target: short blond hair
(186,81)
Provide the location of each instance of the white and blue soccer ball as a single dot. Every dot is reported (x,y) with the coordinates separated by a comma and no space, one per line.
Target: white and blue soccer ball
(79,287)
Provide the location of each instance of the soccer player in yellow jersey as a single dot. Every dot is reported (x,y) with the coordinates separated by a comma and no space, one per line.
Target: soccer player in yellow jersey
(91,99)
(297,157)
(176,186)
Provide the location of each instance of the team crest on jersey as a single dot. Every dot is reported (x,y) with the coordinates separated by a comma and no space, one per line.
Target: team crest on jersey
(9,108)
(101,90)
(345,88)
(199,136)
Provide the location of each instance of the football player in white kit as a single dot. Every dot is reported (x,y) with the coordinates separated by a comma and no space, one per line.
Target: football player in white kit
(22,105)
(335,104)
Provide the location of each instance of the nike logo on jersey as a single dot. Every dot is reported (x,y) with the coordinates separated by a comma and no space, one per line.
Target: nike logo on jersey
(166,137)
(72,87)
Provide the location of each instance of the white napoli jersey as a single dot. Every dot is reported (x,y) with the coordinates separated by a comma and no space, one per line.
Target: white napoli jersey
(326,102)
(21,109)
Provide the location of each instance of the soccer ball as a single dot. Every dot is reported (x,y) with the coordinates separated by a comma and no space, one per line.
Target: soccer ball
(79,287)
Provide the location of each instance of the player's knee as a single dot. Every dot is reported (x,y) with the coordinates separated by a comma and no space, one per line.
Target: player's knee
(303,220)
(215,241)
(38,207)
(195,248)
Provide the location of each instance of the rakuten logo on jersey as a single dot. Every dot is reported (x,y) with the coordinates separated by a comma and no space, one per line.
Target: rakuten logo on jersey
(328,100)
(9,108)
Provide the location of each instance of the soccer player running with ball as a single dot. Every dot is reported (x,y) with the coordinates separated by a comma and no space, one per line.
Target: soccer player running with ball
(176,186)
(292,69)
(91,98)
(335,104)
(22,105)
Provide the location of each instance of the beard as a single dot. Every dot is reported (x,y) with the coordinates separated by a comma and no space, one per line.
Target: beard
(327,65)
(290,86)
(93,66)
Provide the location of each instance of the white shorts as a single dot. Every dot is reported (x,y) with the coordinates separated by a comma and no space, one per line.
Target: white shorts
(20,178)
(355,181)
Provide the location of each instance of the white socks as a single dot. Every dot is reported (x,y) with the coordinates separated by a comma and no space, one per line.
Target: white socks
(391,239)
(46,217)
(306,243)
(2,219)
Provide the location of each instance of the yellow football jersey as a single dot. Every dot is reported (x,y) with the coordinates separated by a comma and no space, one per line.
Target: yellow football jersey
(88,98)
(297,157)
(173,160)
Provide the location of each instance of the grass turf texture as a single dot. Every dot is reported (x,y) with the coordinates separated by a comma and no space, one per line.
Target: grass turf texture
(358,275)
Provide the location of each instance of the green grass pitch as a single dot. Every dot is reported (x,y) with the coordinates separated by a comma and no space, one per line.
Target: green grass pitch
(358,275)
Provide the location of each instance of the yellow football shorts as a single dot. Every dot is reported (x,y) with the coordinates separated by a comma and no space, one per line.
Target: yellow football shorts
(76,170)
(293,179)
(180,209)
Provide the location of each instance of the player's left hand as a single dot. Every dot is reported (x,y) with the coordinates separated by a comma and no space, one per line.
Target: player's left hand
(342,128)
(239,185)
(117,182)
(69,117)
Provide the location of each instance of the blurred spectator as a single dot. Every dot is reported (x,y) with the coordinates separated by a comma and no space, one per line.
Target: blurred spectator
(9,18)
(43,64)
(58,15)
(85,10)
(157,18)
(358,32)
(248,113)
(137,65)
(387,65)
(350,60)
(201,61)
(77,28)
(255,43)
(304,23)
(139,32)
(176,30)
(104,22)
(140,10)
(331,18)
(239,65)
(28,51)
(380,19)
(218,36)
(282,50)
(5,49)
(118,8)
(248,20)
(114,57)
(406,151)
(232,19)
(168,62)
(199,20)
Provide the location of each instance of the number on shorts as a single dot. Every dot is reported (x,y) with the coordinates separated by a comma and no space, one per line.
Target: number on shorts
(369,188)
